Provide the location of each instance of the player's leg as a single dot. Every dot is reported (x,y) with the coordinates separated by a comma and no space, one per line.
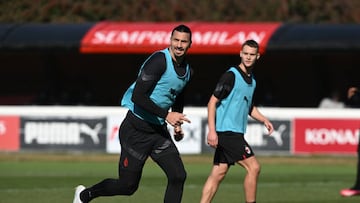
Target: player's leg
(252,167)
(175,172)
(212,183)
(357,179)
(130,170)
(355,190)
(135,147)
(167,156)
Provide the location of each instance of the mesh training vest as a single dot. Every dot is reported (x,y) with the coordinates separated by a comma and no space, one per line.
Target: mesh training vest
(232,112)
(164,94)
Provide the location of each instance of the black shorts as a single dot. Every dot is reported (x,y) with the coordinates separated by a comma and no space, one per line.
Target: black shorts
(140,139)
(232,147)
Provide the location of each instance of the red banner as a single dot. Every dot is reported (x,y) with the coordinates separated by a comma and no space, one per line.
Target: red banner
(9,133)
(326,135)
(208,38)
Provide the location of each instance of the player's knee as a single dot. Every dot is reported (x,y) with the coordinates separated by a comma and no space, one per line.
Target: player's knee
(129,182)
(131,188)
(178,177)
(256,169)
(127,186)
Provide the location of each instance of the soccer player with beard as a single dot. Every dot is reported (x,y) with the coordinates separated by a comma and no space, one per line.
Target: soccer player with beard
(143,133)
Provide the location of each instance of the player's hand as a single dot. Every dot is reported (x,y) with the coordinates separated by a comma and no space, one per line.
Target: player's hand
(269,126)
(176,119)
(212,139)
(178,133)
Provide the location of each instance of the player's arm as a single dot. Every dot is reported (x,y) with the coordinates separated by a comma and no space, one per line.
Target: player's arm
(146,82)
(222,90)
(179,104)
(225,85)
(212,138)
(257,115)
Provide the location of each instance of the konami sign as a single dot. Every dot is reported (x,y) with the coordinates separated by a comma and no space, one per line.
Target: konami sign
(224,38)
(326,135)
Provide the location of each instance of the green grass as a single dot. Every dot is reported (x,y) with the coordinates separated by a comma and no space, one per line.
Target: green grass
(51,178)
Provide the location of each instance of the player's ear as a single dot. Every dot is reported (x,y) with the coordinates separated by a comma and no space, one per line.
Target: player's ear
(257,56)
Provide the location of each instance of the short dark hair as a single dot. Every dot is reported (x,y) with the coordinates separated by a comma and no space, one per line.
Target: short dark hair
(251,43)
(182,28)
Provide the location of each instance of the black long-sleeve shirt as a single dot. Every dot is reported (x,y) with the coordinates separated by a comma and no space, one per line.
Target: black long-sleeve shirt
(151,73)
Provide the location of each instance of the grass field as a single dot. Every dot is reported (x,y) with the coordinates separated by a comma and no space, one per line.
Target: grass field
(51,178)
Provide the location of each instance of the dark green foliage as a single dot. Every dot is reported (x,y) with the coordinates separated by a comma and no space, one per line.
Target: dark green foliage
(78,11)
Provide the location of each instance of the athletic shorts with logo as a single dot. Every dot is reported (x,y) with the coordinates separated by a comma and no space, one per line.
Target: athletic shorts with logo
(232,147)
